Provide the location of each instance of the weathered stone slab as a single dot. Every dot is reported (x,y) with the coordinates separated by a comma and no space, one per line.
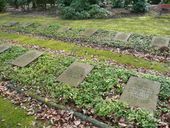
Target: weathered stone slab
(160,42)
(26,58)
(88,32)
(11,24)
(122,36)
(63,29)
(24,25)
(3,48)
(75,74)
(141,93)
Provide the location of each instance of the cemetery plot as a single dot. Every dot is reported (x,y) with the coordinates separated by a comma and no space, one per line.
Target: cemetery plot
(75,74)
(10,24)
(142,93)
(122,36)
(160,42)
(27,58)
(3,48)
(88,32)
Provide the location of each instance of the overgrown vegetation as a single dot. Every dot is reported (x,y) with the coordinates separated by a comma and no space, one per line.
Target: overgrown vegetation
(40,76)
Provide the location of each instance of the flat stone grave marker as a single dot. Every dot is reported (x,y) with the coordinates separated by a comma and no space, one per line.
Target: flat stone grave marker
(142,93)
(26,58)
(88,32)
(4,48)
(11,24)
(75,73)
(160,42)
(122,36)
(24,25)
(63,29)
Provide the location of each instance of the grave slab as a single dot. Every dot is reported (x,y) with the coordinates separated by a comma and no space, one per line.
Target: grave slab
(88,32)
(160,42)
(142,93)
(11,24)
(122,36)
(26,58)
(24,25)
(3,48)
(75,74)
(63,29)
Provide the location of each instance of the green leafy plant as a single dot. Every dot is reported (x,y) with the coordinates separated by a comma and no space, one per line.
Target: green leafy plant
(2,5)
(139,6)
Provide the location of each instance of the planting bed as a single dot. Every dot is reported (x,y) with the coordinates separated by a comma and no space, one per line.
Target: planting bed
(98,95)
(96,37)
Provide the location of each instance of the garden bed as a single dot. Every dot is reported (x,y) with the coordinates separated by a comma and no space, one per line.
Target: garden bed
(93,95)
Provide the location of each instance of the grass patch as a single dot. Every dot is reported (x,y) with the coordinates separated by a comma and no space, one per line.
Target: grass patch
(87,52)
(141,25)
(13,117)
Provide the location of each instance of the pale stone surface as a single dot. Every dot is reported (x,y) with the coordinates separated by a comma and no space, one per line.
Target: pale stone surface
(63,29)
(24,25)
(26,58)
(160,42)
(122,36)
(11,24)
(75,73)
(142,93)
(88,32)
(4,48)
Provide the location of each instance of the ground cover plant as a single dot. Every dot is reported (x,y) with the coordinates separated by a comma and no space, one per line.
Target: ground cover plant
(12,116)
(40,76)
(80,51)
(102,38)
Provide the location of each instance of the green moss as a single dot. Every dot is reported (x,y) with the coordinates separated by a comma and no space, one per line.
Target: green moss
(13,117)
(87,52)
(144,24)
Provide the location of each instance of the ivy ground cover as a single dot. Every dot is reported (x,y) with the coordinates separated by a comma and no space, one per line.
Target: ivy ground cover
(93,93)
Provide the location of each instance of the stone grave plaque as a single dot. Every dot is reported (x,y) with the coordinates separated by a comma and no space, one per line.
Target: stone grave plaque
(26,58)
(75,74)
(88,32)
(142,93)
(122,36)
(11,24)
(63,29)
(160,42)
(3,48)
(24,25)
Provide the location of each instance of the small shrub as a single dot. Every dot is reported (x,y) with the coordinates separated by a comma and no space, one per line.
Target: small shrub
(97,12)
(139,6)
(118,3)
(2,5)
(81,9)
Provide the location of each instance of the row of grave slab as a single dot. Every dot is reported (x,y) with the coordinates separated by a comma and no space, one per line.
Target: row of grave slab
(158,42)
(138,91)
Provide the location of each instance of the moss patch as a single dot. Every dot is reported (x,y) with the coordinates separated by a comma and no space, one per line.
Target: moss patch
(13,117)
(87,52)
